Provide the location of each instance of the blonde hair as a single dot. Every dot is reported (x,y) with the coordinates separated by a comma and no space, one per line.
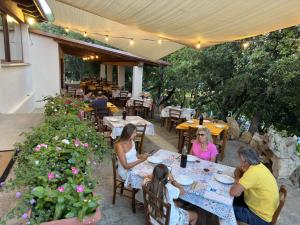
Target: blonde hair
(207,132)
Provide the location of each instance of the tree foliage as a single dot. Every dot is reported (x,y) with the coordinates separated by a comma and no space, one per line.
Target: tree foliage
(260,82)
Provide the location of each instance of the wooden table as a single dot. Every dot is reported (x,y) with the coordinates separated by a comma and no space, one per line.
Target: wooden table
(215,129)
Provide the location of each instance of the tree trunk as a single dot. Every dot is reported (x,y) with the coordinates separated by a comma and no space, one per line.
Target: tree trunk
(255,122)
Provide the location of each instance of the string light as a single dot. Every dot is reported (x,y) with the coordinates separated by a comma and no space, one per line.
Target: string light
(246,44)
(198,45)
(159,41)
(67,29)
(92,57)
(85,34)
(30,20)
(131,42)
(97,57)
(106,38)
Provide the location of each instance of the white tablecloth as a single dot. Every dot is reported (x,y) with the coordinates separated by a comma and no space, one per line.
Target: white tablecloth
(209,194)
(147,102)
(116,94)
(116,123)
(185,112)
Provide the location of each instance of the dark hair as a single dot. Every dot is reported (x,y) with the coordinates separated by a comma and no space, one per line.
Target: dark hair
(100,93)
(157,187)
(249,155)
(127,132)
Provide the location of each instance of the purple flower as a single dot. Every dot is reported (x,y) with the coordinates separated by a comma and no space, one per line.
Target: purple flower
(32,201)
(85,145)
(18,194)
(25,216)
(61,189)
(28,222)
(2,184)
(51,176)
(74,170)
(76,142)
(80,188)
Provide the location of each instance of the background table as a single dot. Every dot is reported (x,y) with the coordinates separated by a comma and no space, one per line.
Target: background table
(111,107)
(208,194)
(185,112)
(117,126)
(147,102)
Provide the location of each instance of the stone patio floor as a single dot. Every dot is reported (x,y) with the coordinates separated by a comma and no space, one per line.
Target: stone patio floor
(120,213)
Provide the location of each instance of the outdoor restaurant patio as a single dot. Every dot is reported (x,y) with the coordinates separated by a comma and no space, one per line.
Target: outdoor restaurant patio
(170,113)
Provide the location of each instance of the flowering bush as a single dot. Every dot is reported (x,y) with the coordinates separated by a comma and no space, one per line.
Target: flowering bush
(53,166)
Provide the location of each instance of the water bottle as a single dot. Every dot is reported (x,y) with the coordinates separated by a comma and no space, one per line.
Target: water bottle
(183,157)
(124,113)
(201,119)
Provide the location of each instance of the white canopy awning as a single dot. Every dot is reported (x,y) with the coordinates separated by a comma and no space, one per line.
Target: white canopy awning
(178,22)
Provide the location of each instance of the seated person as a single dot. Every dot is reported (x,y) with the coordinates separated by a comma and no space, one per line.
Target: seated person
(165,187)
(255,190)
(203,147)
(126,152)
(88,97)
(100,103)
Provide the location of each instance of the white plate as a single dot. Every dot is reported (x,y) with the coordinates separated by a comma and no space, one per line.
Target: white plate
(219,126)
(225,179)
(190,121)
(114,120)
(201,126)
(154,159)
(206,121)
(184,180)
(191,158)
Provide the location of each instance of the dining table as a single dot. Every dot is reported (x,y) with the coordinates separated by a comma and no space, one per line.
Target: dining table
(111,107)
(215,128)
(206,191)
(116,124)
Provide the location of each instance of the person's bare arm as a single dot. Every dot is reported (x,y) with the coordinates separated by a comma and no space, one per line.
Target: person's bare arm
(238,173)
(122,158)
(236,190)
(213,159)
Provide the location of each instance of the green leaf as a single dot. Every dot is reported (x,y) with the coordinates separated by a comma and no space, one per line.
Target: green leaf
(60,199)
(38,192)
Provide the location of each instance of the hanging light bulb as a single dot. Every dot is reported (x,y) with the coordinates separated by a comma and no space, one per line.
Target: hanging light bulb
(198,45)
(160,41)
(30,20)
(85,34)
(246,44)
(67,29)
(87,58)
(106,38)
(97,57)
(131,42)
(92,57)
(83,58)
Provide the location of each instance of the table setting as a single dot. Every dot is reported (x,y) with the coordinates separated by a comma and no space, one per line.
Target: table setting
(206,184)
(186,113)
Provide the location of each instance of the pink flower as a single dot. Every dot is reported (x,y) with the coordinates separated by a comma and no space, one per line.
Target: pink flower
(37,148)
(44,146)
(85,145)
(77,143)
(51,176)
(80,114)
(61,189)
(80,188)
(74,170)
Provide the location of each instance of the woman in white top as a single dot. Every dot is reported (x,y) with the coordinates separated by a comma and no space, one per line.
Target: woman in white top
(165,187)
(126,152)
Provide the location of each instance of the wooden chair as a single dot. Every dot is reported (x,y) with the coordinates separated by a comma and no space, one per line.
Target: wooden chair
(174,118)
(123,98)
(151,210)
(139,139)
(188,136)
(282,198)
(138,108)
(119,184)
(105,131)
(222,145)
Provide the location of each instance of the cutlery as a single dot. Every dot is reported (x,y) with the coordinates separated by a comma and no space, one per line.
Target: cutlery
(152,152)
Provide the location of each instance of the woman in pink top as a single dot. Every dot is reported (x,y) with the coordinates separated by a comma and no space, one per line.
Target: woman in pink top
(202,147)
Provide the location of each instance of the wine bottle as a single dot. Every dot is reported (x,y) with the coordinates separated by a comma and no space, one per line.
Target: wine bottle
(124,113)
(201,119)
(183,157)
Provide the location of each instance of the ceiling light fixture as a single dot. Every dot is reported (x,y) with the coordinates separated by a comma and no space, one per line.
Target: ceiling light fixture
(106,38)
(198,45)
(131,42)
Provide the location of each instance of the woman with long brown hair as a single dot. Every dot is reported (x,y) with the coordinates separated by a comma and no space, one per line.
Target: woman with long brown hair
(165,187)
(126,152)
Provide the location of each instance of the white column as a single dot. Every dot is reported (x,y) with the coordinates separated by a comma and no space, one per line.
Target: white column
(102,71)
(121,76)
(109,72)
(137,81)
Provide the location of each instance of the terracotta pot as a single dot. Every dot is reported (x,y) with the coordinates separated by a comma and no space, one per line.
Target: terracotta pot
(89,220)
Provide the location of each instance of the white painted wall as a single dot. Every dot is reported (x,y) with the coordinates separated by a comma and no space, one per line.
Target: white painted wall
(16,92)
(102,71)
(44,55)
(109,70)
(137,81)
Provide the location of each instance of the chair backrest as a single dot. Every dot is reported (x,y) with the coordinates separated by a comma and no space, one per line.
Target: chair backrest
(140,134)
(282,198)
(192,131)
(175,113)
(123,94)
(114,165)
(138,103)
(150,209)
